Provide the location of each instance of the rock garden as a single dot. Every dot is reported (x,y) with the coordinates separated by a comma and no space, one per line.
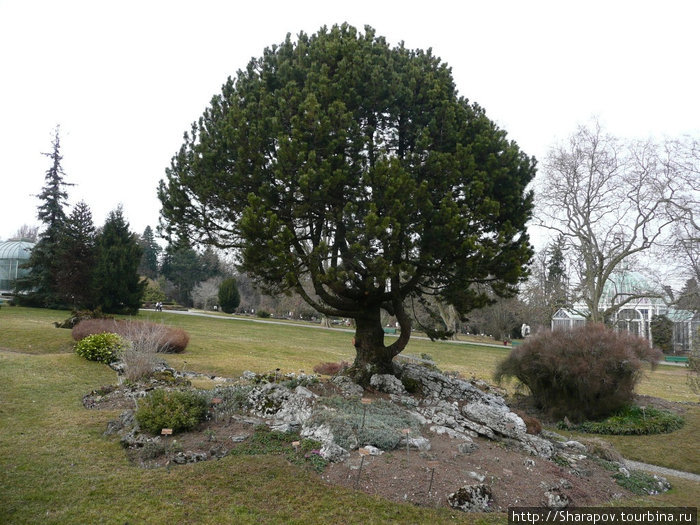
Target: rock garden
(420,436)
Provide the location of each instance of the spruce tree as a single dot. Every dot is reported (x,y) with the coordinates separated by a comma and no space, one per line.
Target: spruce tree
(151,250)
(556,284)
(40,286)
(117,284)
(77,254)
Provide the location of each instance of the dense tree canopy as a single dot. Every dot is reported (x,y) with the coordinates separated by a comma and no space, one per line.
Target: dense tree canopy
(149,260)
(77,255)
(229,298)
(118,286)
(339,161)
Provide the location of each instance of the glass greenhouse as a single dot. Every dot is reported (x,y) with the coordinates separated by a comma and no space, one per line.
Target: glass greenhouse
(12,255)
(639,303)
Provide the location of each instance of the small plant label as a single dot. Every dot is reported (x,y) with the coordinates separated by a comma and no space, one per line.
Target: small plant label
(167,432)
(366,401)
(216,400)
(364,452)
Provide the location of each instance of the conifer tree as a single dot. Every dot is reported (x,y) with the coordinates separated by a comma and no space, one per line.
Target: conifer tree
(183,268)
(229,298)
(151,250)
(352,173)
(77,254)
(117,284)
(40,286)
(556,283)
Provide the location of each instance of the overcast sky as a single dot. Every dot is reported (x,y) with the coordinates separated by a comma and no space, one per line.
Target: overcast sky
(125,79)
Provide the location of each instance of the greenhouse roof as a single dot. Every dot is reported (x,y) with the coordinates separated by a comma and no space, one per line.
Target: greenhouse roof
(15,249)
(625,284)
(566,313)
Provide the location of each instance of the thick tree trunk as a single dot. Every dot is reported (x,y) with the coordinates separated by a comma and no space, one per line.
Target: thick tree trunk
(372,357)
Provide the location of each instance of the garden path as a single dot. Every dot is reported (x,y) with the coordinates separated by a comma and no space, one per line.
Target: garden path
(636,465)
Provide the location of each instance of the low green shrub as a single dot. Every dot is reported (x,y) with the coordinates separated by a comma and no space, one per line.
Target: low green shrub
(104,348)
(634,421)
(174,409)
(641,483)
(412,386)
(302,452)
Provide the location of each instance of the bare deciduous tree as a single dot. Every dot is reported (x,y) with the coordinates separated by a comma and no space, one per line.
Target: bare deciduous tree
(610,200)
(683,158)
(26,233)
(205,294)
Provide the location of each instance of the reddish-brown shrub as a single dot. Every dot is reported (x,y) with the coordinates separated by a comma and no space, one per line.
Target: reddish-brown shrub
(532,424)
(330,369)
(172,340)
(585,373)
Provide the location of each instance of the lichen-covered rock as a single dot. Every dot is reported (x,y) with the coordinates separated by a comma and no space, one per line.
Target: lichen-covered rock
(454,434)
(134,439)
(467,447)
(438,385)
(387,383)
(496,416)
(189,457)
(419,443)
(126,421)
(288,409)
(455,404)
(555,499)
(347,386)
(662,485)
(330,449)
(472,498)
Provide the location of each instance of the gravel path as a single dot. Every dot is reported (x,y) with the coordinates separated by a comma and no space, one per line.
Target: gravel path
(636,465)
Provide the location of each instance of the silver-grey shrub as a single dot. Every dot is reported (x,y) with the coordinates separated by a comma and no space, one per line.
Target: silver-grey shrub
(379,424)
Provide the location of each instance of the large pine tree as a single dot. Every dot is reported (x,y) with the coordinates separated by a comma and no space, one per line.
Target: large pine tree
(117,284)
(40,287)
(353,174)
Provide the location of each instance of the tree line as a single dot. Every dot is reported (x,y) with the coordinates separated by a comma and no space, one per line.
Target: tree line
(74,264)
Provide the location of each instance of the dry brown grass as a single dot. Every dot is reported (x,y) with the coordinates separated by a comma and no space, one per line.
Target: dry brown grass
(330,369)
(169,339)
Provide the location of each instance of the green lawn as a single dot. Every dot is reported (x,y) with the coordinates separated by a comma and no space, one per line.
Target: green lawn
(56,467)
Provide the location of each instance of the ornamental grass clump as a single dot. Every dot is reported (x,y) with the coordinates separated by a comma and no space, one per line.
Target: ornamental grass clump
(103,348)
(586,373)
(170,339)
(144,342)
